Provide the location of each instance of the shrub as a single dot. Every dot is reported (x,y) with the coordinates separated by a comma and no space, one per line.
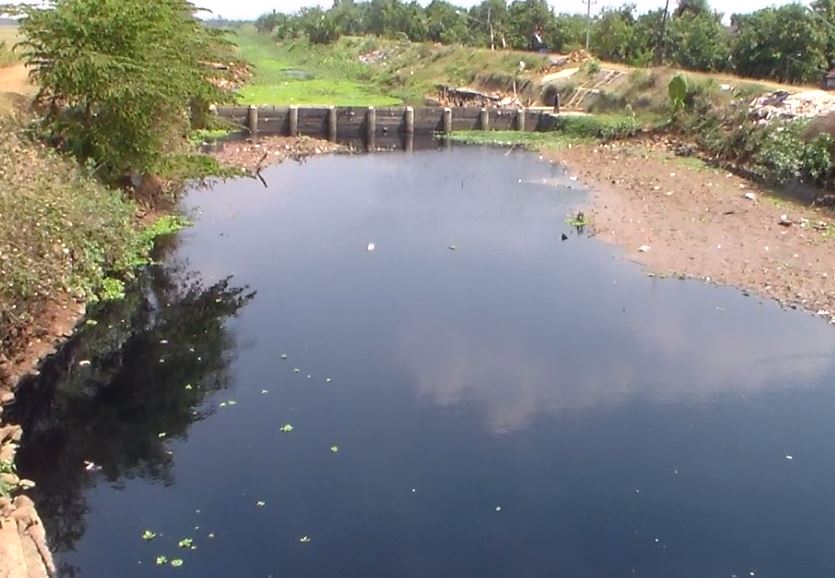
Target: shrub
(606,127)
(119,79)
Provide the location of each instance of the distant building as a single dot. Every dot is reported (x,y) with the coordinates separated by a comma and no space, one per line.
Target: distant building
(829,80)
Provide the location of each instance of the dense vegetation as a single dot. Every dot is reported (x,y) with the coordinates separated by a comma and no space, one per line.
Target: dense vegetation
(120,86)
(121,82)
(790,43)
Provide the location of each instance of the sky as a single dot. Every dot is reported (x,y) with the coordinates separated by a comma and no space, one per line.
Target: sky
(251,9)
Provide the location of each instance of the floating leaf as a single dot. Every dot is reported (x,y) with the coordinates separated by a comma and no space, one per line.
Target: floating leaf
(186,543)
(162,560)
(335,449)
(176,563)
(287,428)
(147,535)
(304,539)
(260,503)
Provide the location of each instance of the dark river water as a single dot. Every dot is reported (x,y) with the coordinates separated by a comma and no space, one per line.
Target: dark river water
(474,398)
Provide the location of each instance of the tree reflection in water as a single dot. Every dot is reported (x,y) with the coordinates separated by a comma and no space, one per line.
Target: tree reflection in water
(154,357)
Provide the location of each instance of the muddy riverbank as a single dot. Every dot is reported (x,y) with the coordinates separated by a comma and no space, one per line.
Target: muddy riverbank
(679,217)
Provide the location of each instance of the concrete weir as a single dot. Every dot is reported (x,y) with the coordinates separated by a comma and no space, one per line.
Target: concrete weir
(366,123)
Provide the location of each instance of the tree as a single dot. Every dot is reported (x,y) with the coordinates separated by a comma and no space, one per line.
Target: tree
(447,23)
(488,23)
(787,43)
(698,41)
(524,16)
(613,34)
(119,79)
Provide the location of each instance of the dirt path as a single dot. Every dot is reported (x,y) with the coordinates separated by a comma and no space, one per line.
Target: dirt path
(15,79)
(680,218)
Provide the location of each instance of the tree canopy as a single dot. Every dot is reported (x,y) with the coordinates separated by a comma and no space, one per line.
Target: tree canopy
(791,43)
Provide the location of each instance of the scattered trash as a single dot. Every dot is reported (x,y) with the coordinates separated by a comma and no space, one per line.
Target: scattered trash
(498,508)
(414,490)
(188,387)
(304,539)
(452,247)
(260,503)
(283,356)
(643,248)
(789,457)
(84,363)
(334,449)
(161,434)
(371,247)
(264,392)
(91,467)
(211,535)
(564,237)
(328,380)
(751,196)
(573,179)
(785,221)
(287,428)
(163,342)
(296,370)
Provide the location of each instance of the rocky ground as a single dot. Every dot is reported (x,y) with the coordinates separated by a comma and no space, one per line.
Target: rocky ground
(680,217)
(254,156)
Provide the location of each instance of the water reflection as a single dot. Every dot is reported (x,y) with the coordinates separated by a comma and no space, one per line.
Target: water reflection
(153,358)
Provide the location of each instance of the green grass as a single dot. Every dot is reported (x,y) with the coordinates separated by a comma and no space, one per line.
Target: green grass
(406,73)
(275,83)
(529,140)
(8,38)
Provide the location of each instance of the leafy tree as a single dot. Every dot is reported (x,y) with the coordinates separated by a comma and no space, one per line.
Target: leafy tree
(613,34)
(489,23)
(698,41)
(787,43)
(447,23)
(320,27)
(119,79)
(568,33)
(524,16)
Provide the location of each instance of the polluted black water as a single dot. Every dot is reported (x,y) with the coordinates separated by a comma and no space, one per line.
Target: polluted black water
(393,366)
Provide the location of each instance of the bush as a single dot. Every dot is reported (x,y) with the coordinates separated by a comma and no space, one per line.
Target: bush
(61,232)
(605,127)
(119,79)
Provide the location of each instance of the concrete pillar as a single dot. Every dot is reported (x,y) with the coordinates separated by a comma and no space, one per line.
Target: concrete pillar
(332,126)
(371,127)
(447,120)
(520,120)
(252,121)
(484,119)
(294,121)
(410,120)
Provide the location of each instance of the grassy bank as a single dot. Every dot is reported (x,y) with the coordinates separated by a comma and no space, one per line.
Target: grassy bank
(8,38)
(369,70)
(568,130)
(62,234)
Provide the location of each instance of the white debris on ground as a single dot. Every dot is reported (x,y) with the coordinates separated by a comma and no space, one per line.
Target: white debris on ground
(782,105)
